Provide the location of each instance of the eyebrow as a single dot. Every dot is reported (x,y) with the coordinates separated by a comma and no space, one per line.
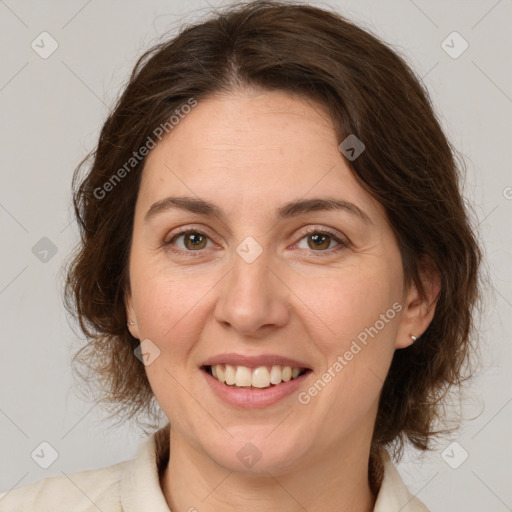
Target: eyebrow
(289,210)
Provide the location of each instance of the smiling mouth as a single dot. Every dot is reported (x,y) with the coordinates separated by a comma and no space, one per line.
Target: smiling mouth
(261,377)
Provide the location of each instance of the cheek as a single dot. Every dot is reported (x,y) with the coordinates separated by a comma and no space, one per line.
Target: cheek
(171,305)
(171,312)
(349,303)
(165,306)
(354,327)
(353,321)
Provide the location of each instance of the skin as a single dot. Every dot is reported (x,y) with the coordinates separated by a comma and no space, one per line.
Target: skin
(249,152)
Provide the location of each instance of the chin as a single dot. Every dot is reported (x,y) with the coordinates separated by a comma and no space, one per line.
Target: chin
(256,454)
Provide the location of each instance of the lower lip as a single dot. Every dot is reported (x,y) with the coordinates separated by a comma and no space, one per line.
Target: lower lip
(252,398)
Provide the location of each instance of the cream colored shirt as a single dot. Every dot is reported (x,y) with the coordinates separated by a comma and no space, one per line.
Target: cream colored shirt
(134,486)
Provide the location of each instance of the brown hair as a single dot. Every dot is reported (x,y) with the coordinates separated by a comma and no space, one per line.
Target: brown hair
(408,166)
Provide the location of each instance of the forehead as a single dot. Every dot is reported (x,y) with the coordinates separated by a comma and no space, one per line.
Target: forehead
(269,146)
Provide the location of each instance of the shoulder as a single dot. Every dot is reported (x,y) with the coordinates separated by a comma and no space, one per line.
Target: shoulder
(394,494)
(132,484)
(83,491)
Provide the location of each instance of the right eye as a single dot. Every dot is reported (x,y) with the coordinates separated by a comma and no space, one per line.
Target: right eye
(190,240)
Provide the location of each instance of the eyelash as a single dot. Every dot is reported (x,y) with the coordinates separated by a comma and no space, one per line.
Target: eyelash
(342,244)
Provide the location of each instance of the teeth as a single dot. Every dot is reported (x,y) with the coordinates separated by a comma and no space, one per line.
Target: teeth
(261,377)
(230,374)
(275,375)
(220,374)
(243,376)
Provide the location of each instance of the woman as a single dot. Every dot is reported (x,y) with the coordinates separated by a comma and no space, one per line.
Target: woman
(275,251)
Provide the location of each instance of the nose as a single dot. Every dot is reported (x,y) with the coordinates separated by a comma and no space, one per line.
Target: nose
(252,299)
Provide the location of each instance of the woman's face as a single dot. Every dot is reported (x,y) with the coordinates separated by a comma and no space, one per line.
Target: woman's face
(249,265)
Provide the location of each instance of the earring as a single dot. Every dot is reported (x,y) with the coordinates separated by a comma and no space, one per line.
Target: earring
(129,324)
(414,338)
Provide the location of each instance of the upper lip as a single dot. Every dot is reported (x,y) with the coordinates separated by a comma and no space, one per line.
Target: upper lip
(254,361)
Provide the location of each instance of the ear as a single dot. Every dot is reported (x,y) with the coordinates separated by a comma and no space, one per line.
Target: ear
(419,310)
(131,318)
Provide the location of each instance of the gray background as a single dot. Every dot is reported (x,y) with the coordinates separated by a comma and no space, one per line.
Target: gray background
(52,110)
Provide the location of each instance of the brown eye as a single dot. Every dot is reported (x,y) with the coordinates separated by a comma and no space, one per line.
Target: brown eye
(194,241)
(322,242)
(319,241)
(189,241)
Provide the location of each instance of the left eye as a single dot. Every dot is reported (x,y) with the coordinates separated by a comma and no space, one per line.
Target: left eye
(319,241)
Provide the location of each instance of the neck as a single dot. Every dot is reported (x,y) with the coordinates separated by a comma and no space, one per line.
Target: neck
(337,480)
